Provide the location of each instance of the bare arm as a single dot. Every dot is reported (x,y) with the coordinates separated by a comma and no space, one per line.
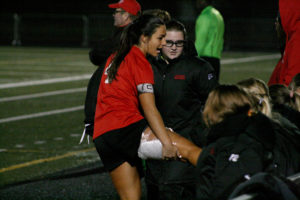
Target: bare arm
(155,121)
(187,150)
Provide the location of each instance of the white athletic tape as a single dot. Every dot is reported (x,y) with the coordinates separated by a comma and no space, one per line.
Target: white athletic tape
(150,149)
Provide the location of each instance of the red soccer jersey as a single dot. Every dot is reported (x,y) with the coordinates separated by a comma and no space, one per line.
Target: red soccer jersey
(117,102)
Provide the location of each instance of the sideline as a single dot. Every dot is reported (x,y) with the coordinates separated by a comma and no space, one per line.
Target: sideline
(34,162)
(45,81)
(250,59)
(88,76)
(74,78)
(41,114)
(43,94)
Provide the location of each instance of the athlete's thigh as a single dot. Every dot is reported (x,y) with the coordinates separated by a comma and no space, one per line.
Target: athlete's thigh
(126,180)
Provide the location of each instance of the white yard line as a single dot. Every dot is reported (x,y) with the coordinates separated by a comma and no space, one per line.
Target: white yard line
(43,94)
(45,81)
(83,77)
(87,76)
(41,114)
(249,59)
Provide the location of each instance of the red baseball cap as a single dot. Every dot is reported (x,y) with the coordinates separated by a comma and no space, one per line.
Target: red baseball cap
(130,6)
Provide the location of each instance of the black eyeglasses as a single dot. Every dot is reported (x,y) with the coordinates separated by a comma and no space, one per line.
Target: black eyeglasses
(178,43)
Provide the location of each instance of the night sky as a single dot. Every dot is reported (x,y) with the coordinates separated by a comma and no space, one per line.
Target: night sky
(242,19)
(230,8)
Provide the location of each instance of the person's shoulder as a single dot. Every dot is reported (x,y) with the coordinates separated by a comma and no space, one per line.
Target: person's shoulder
(136,54)
(198,63)
(135,57)
(207,11)
(193,59)
(203,16)
(212,12)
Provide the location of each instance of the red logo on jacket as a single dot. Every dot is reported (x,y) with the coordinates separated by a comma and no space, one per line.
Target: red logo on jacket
(179,77)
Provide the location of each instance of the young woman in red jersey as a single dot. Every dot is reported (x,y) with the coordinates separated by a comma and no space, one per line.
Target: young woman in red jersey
(125,99)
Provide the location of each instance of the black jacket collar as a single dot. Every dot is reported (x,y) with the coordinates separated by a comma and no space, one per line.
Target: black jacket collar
(258,126)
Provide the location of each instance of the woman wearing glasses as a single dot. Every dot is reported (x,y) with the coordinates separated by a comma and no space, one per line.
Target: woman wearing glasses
(182,84)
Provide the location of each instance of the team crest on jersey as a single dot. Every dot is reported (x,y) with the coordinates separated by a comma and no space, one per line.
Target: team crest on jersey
(234,157)
(179,77)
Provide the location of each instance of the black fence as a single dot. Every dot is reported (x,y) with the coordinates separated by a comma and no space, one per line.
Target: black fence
(84,30)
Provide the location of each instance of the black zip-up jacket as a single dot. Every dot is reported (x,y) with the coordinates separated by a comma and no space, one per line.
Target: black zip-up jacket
(241,146)
(98,56)
(291,114)
(181,89)
(91,100)
(102,49)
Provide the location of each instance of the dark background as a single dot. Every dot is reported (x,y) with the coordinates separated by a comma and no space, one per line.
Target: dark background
(248,24)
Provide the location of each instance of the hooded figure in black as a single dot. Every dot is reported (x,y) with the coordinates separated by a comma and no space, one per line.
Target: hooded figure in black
(240,143)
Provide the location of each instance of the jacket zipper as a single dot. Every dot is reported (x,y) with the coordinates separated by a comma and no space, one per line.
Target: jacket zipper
(163,83)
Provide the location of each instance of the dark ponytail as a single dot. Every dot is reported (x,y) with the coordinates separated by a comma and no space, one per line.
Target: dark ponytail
(145,25)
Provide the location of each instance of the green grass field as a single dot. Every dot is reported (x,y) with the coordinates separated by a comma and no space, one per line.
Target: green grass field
(39,135)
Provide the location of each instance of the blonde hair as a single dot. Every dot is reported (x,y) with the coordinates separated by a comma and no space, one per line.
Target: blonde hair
(297,102)
(280,94)
(223,101)
(260,92)
(294,85)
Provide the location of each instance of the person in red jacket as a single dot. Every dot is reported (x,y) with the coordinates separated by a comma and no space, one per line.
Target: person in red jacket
(274,79)
(290,19)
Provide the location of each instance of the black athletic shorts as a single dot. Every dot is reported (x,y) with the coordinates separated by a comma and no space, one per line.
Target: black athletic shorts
(118,146)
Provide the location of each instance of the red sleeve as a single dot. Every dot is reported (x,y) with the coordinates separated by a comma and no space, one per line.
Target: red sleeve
(293,59)
(275,77)
(143,72)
